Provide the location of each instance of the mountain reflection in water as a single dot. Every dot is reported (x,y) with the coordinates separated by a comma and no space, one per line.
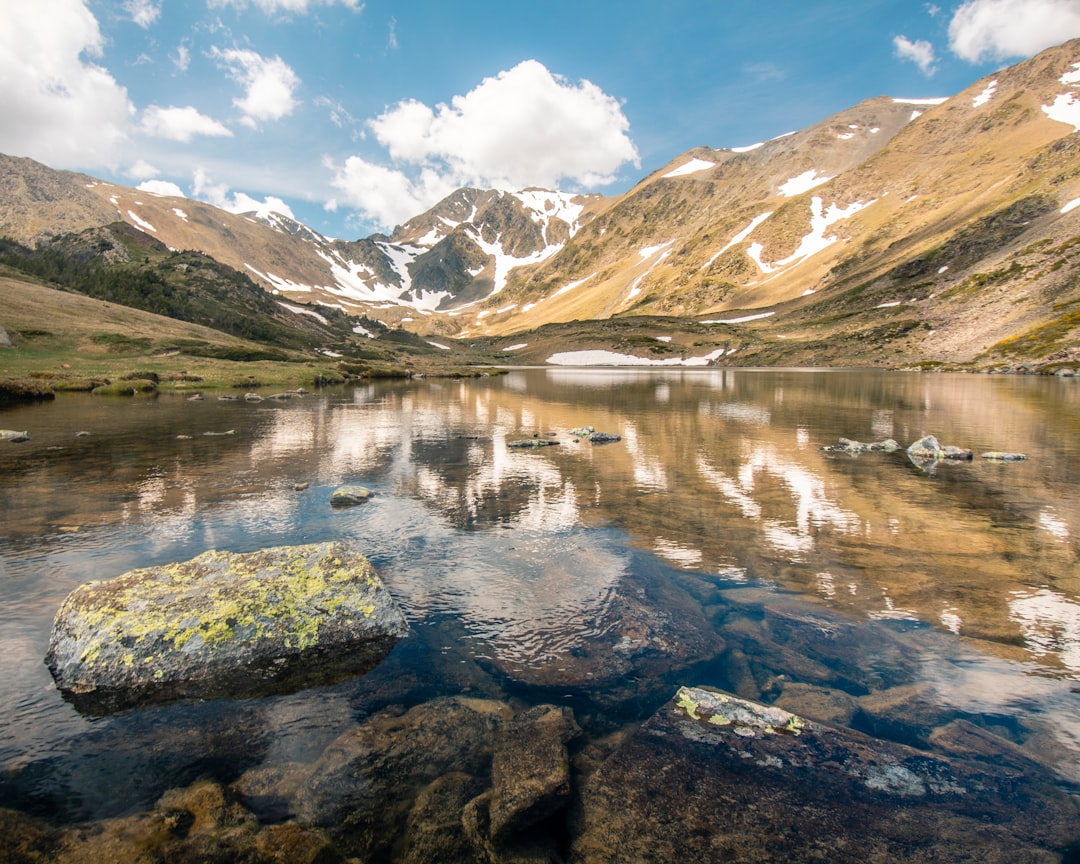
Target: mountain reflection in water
(600,575)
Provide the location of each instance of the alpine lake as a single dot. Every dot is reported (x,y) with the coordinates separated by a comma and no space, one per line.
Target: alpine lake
(714,545)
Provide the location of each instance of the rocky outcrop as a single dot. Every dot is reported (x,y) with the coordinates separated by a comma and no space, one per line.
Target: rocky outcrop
(223,625)
(712,777)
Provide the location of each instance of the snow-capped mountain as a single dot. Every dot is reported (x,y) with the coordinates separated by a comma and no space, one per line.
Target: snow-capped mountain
(896,229)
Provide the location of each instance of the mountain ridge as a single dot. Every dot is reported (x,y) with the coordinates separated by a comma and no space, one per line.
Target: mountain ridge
(936,210)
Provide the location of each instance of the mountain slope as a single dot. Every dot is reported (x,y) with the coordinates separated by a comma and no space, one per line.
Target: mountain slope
(896,232)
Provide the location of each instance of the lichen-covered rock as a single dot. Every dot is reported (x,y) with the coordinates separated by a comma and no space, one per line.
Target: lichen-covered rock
(223,624)
(849,445)
(347,496)
(711,777)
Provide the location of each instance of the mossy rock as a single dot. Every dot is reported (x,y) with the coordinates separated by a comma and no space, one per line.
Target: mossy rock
(223,625)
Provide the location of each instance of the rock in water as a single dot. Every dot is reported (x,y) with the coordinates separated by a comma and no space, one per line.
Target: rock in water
(223,625)
(712,777)
(347,496)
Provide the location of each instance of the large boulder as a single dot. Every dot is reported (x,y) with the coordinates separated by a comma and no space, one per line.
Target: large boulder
(712,777)
(223,625)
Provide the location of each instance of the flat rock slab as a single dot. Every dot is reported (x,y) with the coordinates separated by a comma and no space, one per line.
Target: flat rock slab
(223,625)
(711,777)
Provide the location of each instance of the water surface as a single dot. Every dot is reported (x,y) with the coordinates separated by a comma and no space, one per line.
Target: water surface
(714,544)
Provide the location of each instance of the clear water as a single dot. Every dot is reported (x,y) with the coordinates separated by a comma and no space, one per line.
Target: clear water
(597,576)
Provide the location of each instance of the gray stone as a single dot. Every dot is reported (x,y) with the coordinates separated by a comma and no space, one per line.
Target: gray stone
(711,777)
(223,625)
(1002,456)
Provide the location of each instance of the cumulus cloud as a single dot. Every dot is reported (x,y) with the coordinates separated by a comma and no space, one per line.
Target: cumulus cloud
(920,52)
(301,7)
(523,127)
(180,124)
(161,187)
(1004,29)
(142,170)
(269,84)
(142,12)
(57,106)
(219,194)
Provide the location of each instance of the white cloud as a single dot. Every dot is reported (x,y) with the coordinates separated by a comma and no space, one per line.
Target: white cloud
(523,127)
(920,52)
(180,124)
(162,187)
(182,58)
(1003,29)
(58,107)
(269,84)
(142,12)
(384,195)
(142,170)
(272,7)
(218,194)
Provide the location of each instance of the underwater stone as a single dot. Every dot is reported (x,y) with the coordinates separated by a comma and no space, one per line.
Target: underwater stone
(713,777)
(223,625)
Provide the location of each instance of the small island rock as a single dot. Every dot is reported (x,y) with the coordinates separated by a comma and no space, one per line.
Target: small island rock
(223,625)
(347,496)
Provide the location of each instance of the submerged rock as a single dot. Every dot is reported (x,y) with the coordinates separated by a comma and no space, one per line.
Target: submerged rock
(532,443)
(530,772)
(711,777)
(1001,456)
(223,625)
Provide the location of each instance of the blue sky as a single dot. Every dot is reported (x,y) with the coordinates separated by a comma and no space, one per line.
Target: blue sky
(353,115)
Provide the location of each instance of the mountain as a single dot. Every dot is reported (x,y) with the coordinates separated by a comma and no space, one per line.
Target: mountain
(896,232)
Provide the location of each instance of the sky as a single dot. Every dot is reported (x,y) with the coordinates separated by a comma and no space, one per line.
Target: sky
(354,115)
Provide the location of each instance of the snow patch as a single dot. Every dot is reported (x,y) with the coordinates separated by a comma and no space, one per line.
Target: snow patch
(142,223)
(741,320)
(279,283)
(300,310)
(504,263)
(611,358)
(437,345)
(549,205)
(516,347)
(691,167)
(1066,109)
(985,96)
(649,251)
(803,183)
(1071,77)
(815,241)
(738,238)
(573,285)
(748,148)
(887,305)
(937,100)
(1072,205)
(180,214)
